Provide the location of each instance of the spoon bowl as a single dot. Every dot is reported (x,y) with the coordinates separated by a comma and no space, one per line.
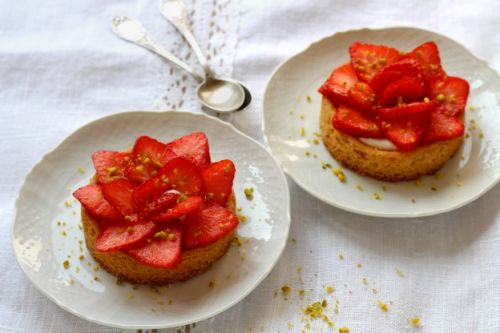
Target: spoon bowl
(221,95)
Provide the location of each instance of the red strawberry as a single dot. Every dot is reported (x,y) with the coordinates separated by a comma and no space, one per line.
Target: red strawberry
(119,237)
(185,207)
(427,55)
(178,174)
(193,146)
(109,165)
(394,72)
(336,87)
(91,198)
(208,225)
(160,204)
(362,96)
(452,93)
(405,132)
(356,123)
(442,126)
(149,191)
(407,109)
(147,156)
(369,59)
(182,175)
(218,181)
(164,250)
(119,194)
(405,90)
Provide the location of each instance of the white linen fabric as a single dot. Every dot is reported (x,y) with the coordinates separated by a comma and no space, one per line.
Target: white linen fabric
(61,67)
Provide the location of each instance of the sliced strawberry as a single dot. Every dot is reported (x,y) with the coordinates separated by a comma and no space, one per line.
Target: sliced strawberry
(218,181)
(109,165)
(352,121)
(407,110)
(405,90)
(451,93)
(119,237)
(394,72)
(336,87)
(182,208)
(139,173)
(208,225)
(147,157)
(427,55)
(163,202)
(149,191)
(182,175)
(362,96)
(442,126)
(369,59)
(146,147)
(119,194)
(405,132)
(163,250)
(91,198)
(193,146)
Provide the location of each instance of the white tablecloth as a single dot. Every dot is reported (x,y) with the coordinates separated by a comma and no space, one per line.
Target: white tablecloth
(61,67)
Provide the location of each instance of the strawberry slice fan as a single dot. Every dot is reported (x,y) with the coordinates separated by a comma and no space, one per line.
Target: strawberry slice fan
(159,199)
(406,98)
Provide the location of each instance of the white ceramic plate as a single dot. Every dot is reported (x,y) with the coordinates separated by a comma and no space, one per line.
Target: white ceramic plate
(45,199)
(291,102)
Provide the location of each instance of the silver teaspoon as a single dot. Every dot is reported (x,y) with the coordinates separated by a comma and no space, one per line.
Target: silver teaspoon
(215,94)
(176,13)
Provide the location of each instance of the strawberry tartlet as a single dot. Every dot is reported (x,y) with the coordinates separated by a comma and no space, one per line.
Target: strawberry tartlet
(162,212)
(393,115)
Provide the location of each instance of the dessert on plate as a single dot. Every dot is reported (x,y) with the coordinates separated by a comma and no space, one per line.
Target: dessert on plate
(393,115)
(160,213)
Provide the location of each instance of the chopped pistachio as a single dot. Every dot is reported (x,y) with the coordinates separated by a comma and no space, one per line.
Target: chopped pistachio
(248,192)
(344,329)
(314,310)
(339,173)
(440,98)
(66,264)
(285,289)
(383,306)
(414,321)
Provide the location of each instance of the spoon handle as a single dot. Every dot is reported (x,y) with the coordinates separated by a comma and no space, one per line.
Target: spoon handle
(176,13)
(134,32)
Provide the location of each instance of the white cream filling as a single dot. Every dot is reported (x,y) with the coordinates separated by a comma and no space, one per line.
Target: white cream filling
(383,144)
